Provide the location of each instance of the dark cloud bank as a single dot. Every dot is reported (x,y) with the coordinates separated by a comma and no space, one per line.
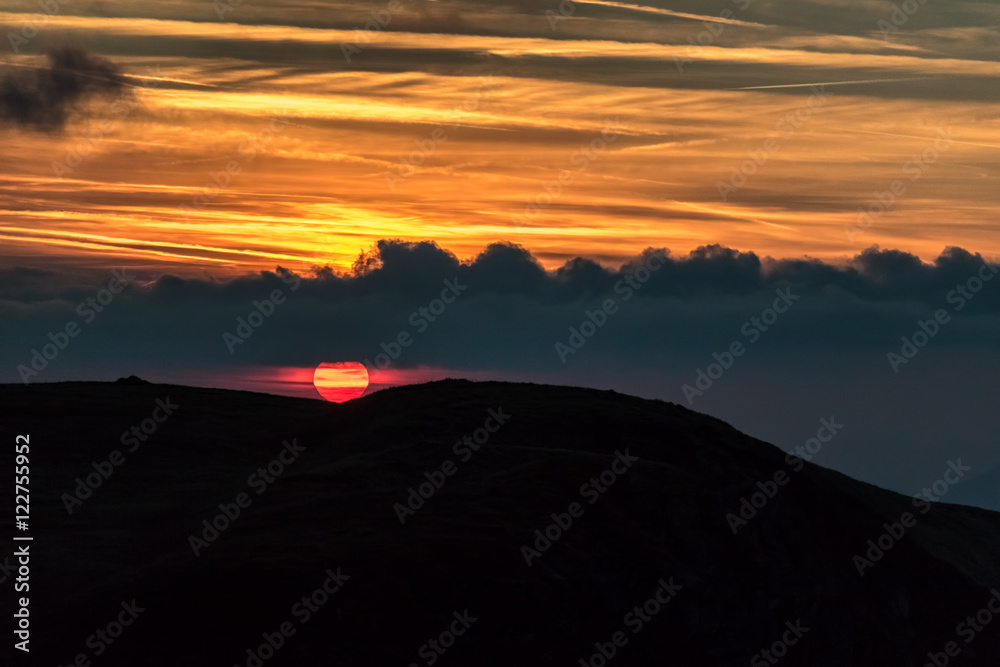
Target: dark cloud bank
(44,99)
(684,302)
(826,355)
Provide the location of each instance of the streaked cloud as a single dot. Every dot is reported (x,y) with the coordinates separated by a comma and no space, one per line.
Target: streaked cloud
(316,190)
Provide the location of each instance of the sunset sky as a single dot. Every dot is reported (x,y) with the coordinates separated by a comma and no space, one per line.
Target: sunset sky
(532,155)
(502,97)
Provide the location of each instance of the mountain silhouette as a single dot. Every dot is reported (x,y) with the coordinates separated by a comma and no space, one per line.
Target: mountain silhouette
(471,524)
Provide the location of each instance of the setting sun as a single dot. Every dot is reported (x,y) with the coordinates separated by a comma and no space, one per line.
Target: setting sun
(342,381)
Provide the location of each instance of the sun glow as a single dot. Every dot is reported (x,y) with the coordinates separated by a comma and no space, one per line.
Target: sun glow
(341,381)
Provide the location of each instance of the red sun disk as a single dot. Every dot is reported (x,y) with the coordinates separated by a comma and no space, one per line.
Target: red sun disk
(341,381)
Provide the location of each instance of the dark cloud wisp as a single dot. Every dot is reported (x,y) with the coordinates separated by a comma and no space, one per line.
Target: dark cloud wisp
(44,99)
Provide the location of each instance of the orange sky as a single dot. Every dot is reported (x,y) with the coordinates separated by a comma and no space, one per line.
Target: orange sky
(494,114)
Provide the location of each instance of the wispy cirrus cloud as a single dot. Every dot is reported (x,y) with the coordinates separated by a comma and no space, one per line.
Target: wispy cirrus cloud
(317,192)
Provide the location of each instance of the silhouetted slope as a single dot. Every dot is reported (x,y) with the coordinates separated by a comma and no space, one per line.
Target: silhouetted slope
(665,517)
